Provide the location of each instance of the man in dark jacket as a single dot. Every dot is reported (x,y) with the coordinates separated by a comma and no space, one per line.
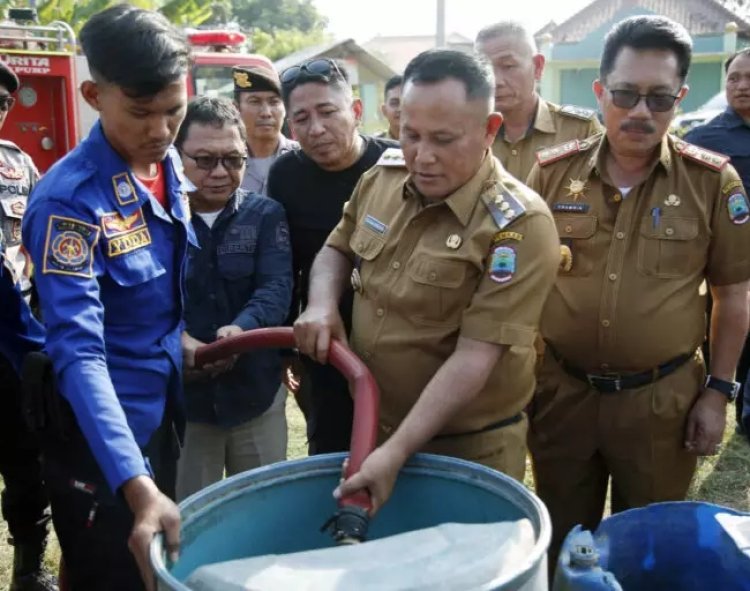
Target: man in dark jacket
(239,279)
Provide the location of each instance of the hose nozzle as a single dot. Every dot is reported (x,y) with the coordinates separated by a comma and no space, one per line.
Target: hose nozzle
(348,525)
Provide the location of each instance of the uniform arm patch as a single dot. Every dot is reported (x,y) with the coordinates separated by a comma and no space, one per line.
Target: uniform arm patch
(69,247)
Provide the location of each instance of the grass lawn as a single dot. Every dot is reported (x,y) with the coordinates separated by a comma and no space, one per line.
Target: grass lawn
(722,479)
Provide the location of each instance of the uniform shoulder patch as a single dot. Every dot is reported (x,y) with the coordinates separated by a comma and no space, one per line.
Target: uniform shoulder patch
(69,247)
(578,112)
(557,152)
(392,157)
(712,160)
(504,207)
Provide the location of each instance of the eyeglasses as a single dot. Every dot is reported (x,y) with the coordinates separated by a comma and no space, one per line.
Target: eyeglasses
(317,68)
(234,162)
(657,102)
(6,103)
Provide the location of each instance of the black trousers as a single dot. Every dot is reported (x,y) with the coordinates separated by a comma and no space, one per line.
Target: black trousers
(92,523)
(330,409)
(24,499)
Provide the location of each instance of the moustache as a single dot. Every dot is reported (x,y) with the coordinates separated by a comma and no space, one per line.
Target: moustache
(641,126)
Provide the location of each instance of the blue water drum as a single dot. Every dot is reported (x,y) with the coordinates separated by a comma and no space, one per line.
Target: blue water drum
(279,509)
(684,546)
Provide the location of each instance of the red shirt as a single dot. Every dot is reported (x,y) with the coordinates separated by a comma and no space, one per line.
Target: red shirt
(157,186)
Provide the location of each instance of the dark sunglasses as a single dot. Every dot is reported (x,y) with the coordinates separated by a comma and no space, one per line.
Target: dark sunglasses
(6,103)
(211,162)
(657,102)
(317,68)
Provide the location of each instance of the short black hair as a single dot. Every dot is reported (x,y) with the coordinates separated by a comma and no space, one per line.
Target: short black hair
(338,78)
(216,111)
(647,32)
(436,65)
(392,83)
(138,50)
(734,56)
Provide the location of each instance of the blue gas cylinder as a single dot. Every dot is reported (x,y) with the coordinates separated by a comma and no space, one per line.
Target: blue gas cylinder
(686,546)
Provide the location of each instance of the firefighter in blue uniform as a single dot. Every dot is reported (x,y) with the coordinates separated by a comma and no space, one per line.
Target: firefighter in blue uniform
(107,229)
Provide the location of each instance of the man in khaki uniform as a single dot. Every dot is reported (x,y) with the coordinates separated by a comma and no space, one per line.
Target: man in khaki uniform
(451,259)
(530,123)
(645,219)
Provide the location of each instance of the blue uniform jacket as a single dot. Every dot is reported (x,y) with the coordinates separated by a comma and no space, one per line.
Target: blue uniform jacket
(241,275)
(109,265)
(20,332)
(728,134)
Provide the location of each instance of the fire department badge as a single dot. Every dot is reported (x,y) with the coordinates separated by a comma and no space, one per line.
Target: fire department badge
(68,248)
(114,224)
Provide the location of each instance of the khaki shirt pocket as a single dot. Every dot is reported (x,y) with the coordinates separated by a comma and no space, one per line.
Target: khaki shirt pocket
(366,244)
(672,248)
(438,294)
(577,232)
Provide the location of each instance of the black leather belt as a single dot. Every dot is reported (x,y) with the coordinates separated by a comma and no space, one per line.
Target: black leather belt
(615,382)
(498,425)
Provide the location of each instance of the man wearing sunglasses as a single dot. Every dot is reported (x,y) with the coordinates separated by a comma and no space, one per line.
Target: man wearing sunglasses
(257,93)
(530,123)
(239,277)
(24,497)
(645,221)
(313,184)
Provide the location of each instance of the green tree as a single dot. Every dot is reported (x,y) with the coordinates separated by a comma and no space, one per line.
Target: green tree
(272,15)
(282,42)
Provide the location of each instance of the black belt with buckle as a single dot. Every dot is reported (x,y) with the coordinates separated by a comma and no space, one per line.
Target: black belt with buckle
(615,382)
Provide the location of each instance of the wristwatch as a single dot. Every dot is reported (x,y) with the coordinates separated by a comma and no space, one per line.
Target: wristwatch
(729,389)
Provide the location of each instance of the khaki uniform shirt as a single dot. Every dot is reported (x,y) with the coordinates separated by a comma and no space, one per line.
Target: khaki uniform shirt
(634,296)
(17,176)
(478,264)
(552,125)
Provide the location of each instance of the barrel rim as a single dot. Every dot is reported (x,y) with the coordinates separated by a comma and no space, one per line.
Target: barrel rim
(203,501)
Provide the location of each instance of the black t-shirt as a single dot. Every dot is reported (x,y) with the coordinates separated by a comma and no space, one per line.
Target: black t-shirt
(314,202)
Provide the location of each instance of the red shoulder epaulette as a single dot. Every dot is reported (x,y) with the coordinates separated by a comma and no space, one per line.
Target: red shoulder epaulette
(712,160)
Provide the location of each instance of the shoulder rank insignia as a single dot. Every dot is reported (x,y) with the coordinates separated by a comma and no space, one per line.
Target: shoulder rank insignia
(554,153)
(504,207)
(392,157)
(578,112)
(713,160)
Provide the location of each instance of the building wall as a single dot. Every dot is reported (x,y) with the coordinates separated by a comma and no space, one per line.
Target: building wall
(368,86)
(574,66)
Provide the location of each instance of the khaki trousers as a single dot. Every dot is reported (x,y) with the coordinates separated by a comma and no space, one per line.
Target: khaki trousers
(209,450)
(501,449)
(580,438)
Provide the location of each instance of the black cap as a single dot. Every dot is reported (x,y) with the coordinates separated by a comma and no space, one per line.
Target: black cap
(8,78)
(256,78)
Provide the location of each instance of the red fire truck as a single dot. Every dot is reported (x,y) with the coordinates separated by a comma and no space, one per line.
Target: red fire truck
(50,117)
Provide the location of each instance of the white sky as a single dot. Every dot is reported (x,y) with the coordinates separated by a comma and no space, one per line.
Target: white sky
(364,19)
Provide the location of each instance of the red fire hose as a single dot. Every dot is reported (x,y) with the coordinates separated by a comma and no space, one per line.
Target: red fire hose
(366,405)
